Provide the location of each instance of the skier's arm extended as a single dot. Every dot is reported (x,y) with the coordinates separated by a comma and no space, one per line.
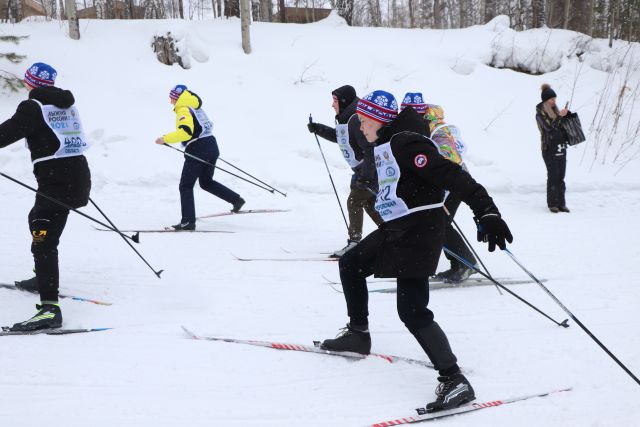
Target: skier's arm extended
(184,127)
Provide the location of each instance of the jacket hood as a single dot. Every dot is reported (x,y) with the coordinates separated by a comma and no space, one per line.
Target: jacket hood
(188,99)
(407,121)
(347,112)
(53,96)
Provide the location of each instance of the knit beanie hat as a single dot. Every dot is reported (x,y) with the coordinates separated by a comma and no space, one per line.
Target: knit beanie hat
(345,96)
(547,92)
(434,114)
(177,91)
(40,75)
(415,101)
(378,105)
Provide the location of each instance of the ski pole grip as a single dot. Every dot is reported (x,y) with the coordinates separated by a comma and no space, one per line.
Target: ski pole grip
(310,119)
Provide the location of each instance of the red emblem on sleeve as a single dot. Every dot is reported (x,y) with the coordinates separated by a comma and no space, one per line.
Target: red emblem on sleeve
(420,161)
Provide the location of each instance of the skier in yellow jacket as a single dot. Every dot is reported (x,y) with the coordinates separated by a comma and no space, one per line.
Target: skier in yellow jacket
(194,131)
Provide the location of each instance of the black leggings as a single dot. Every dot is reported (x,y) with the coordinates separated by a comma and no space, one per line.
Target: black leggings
(46,227)
(412,300)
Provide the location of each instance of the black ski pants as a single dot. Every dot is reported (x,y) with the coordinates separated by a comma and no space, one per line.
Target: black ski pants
(412,299)
(453,240)
(194,170)
(556,163)
(46,225)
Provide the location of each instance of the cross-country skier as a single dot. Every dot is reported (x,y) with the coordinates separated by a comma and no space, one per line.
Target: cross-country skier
(413,177)
(51,125)
(451,146)
(194,131)
(359,155)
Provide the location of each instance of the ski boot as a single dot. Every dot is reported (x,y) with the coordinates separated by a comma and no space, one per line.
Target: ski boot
(452,392)
(355,339)
(237,205)
(29,285)
(184,226)
(456,274)
(48,316)
(350,244)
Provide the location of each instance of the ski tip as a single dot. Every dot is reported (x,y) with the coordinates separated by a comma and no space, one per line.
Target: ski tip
(188,332)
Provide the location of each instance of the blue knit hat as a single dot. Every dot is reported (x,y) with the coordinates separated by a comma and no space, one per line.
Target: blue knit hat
(40,75)
(177,91)
(378,105)
(414,100)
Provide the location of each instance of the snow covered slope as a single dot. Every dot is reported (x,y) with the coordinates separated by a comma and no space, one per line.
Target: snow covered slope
(147,373)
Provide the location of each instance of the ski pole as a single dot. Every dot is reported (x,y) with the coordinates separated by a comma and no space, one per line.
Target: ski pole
(248,174)
(135,239)
(64,205)
(575,319)
(469,246)
(564,323)
(217,167)
(330,177)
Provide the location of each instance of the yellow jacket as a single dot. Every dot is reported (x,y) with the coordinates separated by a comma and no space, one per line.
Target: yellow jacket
(184,118)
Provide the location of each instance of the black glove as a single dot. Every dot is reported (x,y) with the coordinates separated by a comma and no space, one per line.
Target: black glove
(313,127)
(493,229)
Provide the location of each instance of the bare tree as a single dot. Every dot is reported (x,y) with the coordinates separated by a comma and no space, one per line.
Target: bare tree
(245,22)
(72,19)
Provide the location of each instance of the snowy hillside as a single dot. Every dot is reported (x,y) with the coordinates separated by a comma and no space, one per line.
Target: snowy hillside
(146,372)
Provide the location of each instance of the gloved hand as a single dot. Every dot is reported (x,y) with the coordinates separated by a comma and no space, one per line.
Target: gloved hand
(313,128)
(493,229)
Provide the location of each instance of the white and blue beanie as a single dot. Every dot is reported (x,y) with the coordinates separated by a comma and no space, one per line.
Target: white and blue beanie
(414,100)
(177,91)
(378,105)
(40,75)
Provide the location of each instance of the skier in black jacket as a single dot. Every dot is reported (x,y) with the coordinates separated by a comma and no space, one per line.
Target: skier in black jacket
(413,177)
(358,153)
(51,125)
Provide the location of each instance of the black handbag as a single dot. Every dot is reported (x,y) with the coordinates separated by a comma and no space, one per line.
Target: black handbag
(573,129)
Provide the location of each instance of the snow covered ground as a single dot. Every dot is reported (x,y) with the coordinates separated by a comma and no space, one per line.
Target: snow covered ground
(146,372)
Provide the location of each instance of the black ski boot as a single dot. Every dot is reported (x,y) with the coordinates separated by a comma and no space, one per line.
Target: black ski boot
(352,338)
(237,205)
(29,285)
(456,274)
(350,245)
(184,226)
(48,316)
(452,392)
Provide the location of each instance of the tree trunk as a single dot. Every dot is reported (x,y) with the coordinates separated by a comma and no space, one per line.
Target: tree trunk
(72,19)
(265,10)
(245,25)
(613,20)
(438,13)
(282,11)
(412,19)
(538,14)
(580,16)
(181,8)
(490,10)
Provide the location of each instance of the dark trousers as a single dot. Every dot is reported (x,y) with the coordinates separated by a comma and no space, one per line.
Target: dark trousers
(361,200)
(453,240)
(194,170)
(412,300)
(556,168)
(46,226)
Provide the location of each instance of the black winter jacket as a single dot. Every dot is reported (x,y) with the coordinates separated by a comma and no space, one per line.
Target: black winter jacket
(553,138)
(66,179)
(413,243)
(366,170)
